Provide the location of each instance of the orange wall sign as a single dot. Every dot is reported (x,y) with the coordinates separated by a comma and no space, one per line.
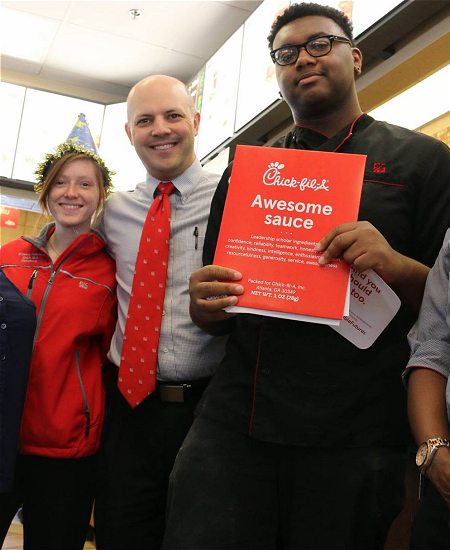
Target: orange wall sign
(9,217)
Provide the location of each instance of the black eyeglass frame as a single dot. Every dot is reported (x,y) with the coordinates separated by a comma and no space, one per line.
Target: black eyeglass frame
(331,37)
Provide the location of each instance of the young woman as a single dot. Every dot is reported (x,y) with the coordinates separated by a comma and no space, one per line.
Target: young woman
(69,276)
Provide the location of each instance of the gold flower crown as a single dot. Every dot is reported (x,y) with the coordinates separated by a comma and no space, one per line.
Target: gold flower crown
(70,148)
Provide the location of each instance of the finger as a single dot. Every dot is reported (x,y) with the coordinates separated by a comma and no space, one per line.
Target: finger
(324,243)
(214,289)
(342,242)
(216,273)
(362,263)
(214,303)
(212,311)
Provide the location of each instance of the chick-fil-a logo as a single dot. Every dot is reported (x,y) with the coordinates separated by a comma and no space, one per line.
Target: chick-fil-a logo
(272,177)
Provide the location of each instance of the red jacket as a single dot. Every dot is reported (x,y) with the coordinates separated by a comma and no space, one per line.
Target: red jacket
(75,304)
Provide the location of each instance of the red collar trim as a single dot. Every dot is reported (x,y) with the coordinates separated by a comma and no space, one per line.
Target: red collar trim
(350,132)
(306,128)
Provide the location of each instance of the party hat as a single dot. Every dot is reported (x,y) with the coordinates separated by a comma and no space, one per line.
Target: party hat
(81,135)
(79,140)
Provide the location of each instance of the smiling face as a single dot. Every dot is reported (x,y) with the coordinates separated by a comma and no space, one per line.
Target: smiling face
(162,126)
(75,195)
(317,86)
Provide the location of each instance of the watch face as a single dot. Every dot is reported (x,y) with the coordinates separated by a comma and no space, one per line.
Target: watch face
(421,454)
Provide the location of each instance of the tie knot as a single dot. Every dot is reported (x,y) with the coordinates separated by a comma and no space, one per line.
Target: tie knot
(166,188)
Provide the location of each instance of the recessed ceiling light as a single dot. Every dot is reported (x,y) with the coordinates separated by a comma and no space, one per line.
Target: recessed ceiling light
(26,36)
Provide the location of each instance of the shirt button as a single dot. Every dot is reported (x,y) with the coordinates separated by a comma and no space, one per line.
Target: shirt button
(1,298)
(164,312)
(165,350)
(3,357)
(3,325)
(265,370)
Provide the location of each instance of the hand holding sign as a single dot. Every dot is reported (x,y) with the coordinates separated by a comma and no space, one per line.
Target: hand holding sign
(209,296)
(363,247)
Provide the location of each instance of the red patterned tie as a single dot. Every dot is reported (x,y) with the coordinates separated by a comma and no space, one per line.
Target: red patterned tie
(137,374)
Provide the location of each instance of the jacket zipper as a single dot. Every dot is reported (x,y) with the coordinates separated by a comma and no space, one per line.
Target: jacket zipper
(31,283)
(87,413)
(48,287)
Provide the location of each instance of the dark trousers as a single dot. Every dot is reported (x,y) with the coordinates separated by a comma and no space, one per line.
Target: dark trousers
(431,527)
(57,497)
(228,491)
(137,453)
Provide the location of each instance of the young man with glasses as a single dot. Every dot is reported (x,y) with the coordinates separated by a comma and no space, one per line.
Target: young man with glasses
(300,439)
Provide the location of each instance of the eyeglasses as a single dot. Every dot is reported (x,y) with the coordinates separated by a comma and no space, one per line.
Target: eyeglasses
(316,47)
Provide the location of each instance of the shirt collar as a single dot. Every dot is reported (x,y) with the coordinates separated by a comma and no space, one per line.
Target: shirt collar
(185,183)
(307,138)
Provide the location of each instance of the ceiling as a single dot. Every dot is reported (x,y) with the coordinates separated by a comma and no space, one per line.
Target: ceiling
(100,46)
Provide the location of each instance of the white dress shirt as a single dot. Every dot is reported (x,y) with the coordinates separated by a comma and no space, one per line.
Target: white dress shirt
(185,352)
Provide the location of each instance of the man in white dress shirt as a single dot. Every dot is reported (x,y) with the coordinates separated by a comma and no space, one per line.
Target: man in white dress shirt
(139,445)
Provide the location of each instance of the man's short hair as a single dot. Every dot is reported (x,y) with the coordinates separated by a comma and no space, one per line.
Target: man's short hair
(297,11)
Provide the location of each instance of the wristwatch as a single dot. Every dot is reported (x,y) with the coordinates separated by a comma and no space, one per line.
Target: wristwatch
(427,450)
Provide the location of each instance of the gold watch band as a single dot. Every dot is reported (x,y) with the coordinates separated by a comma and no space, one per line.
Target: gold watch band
(433,445)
